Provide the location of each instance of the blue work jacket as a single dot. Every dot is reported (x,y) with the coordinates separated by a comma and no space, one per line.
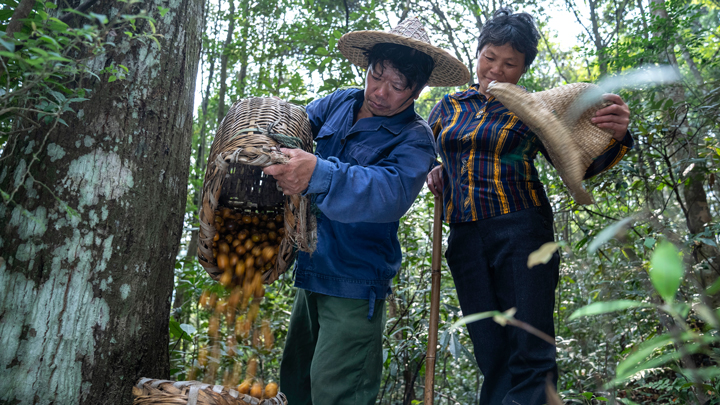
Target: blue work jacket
(367,176)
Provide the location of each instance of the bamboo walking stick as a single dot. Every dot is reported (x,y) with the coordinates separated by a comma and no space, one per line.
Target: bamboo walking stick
(434,304)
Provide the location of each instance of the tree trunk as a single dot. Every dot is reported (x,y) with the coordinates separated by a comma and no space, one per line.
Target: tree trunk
(86,291)
(224,62)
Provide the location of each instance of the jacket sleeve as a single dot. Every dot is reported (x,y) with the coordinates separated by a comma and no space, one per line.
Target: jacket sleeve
(379,193)
(610,156)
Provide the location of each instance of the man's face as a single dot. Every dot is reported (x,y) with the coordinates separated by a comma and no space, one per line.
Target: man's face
(386,91)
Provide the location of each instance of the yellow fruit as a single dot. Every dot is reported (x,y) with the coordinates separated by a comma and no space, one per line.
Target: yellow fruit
(226,212)
(231,342)
(202,356)
(222,261)
(256,390)
(224,247)
(204,299)
(226,278)
(255,238)
(233,259)
(251,368)
(240,270)
(249,244)
(257,251)
(279,218)
(267,335)
(267,253)
(240,249)
(216,237)
(271,390)
(255,220)
(249,262)
(247,219)
(214,326)
(234,243)
(244,387)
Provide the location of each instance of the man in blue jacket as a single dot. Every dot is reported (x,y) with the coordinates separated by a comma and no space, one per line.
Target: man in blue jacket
(372,157)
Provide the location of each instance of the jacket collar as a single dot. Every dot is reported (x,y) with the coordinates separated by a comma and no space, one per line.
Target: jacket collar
(393,124)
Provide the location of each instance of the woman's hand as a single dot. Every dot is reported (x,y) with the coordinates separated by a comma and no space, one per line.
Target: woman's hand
(435,181)
(615,117)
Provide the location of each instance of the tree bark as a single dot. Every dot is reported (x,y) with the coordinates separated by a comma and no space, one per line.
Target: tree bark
(86,291)
(224,62)
(22,11)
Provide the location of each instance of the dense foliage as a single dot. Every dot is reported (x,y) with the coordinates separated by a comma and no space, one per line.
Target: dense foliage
(637,303)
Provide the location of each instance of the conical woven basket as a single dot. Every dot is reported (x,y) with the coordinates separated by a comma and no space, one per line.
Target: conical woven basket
(165,392)
(561,119)
(249,139)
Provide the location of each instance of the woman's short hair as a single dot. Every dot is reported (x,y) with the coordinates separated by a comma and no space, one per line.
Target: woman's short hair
(415,65)
(517,29)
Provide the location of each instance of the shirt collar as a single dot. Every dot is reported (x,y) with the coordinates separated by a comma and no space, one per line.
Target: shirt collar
(472,92)
(394,124)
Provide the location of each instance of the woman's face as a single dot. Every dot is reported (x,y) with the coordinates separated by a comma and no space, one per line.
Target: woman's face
(501,63)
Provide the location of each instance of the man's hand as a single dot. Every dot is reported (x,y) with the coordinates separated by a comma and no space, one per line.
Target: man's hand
(435,181)
(294,176)
(615,117)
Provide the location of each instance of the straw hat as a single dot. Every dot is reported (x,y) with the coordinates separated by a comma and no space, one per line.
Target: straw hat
(561,119)
(448,70)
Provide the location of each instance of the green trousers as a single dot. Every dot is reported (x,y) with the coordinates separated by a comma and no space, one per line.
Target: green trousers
(333,353)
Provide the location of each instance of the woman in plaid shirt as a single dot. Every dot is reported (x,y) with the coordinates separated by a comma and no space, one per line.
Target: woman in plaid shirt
(499,213)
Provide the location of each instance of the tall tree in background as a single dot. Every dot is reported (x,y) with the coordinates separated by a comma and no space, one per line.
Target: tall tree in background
(90,234)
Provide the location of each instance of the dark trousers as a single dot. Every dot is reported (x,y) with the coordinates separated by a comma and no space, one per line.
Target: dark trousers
(488,261)
(333,353)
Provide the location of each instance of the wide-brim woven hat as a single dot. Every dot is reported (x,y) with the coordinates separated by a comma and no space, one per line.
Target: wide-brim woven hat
(561,119)
(448,71)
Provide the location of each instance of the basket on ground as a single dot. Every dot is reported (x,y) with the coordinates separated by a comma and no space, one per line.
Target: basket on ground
(249,138)
(149,391)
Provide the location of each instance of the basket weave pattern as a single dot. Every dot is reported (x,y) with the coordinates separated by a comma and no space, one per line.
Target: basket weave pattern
(572,142)
(165,392)
(448,71)
(249,139)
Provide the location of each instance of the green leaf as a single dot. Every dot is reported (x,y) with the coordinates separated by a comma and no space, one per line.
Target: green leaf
(666,270)
(187,328)
(474,317)
(50,5)
(322,51)
(597,308)
(10,46)
(163,11)
(608,233)
(102,18)
(649,242)
(542,255)
(112,79)
(177,331)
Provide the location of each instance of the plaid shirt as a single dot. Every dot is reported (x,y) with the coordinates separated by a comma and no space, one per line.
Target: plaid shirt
(488,154)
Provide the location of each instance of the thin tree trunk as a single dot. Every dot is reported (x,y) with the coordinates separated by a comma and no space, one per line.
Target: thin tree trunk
(86,292)
(224,62)
(22,11)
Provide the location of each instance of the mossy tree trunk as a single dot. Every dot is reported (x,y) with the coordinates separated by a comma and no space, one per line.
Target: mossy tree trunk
(86,291)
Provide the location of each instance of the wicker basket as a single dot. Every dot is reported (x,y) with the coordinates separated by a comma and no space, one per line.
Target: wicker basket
(166,392)
(249,139)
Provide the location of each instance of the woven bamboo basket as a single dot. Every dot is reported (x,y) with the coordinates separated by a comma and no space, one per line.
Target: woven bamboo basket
(165,392)
(249,139)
